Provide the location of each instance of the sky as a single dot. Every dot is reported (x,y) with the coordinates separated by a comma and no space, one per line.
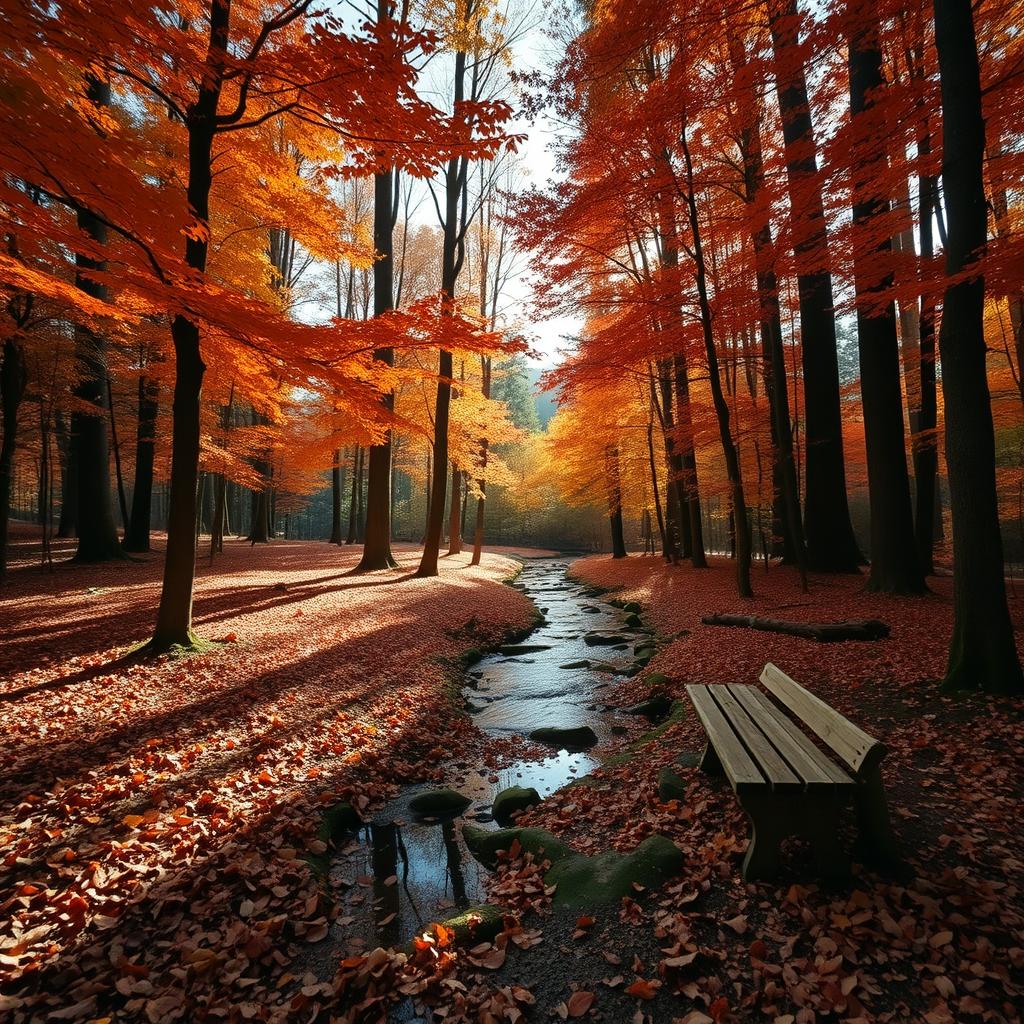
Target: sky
(537,52)
(534,51)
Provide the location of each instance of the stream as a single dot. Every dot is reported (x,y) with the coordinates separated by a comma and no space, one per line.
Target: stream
(413,871)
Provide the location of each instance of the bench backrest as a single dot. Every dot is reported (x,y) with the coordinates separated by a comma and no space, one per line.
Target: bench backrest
(860,752)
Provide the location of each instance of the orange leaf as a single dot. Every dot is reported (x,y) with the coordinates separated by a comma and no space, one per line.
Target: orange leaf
(642,989)
(579,1003)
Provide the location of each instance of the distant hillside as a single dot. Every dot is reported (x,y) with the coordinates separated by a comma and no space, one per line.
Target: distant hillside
(544,401)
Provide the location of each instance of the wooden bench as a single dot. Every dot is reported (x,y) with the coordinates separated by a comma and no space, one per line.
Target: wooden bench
(784,782)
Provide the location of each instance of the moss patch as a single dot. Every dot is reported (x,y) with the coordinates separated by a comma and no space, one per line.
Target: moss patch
(677,713)
(476,924)
(513,800)
(591,881)
(670,786)
(484,845)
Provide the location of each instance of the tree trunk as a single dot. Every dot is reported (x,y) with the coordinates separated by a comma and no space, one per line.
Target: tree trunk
(13,381)
(377,545)
(357,483)
(831,545)
(732,461)
(894,564)
(784,480)
(455,513)
(122,502)
(97,532)
(452,253)
(614,485)
(336,497)
(68,524)
(983,652)
(174,617)
(137,534)
(478,532)
(667,552)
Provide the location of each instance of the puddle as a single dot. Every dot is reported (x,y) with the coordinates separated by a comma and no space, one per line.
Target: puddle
(409,871)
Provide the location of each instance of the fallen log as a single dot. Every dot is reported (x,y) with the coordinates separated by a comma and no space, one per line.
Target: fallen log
(823,632)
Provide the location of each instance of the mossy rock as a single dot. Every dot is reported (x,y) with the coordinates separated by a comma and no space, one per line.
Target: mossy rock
(338,821)
(645,649)
(585,663)
(470,657)
(439,801)
(603,639)
(484,845)
(579,737)
(632,606)
(511,801)
(670,786)
(656,706)
(617,602)
(658,679)
(476,924)
(632,620)
(591,881)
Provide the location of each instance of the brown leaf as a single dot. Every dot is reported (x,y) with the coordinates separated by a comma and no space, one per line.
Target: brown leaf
(579,1003)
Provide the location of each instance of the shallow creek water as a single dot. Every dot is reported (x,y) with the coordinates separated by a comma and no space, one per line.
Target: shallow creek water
(519,688)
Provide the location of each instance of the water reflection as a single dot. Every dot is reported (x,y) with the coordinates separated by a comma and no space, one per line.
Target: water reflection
(419,870)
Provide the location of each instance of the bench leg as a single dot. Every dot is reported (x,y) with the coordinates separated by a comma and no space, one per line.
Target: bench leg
(876,842)
(774,818)
(819,820)
(709,763)
(767,830)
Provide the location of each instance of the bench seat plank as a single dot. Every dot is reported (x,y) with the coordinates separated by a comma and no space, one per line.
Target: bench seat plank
(740,769)
(817,770)
(859,751)
(779,775)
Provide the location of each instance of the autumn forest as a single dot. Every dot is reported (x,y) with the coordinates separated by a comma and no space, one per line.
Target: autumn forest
(511,511)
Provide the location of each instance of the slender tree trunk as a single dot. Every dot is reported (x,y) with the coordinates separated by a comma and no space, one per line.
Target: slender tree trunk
(361,499)
(653,467)
(831,545)
(455,513)
(336,496)
(729,450)
(357,483)
(452,253)
(97,532)
(784,479)
(924,436)
(983,652)
(478,532)
(174,617)
(894,563)
(13,382)
(68,523)
(123,503)
(678,523)
(690,489)
(614,485)
(137,534)
(377,545)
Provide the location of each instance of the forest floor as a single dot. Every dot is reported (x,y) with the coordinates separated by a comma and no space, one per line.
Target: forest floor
(939,942)
(155,816)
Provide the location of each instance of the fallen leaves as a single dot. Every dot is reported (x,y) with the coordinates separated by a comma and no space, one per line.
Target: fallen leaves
(154,816)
